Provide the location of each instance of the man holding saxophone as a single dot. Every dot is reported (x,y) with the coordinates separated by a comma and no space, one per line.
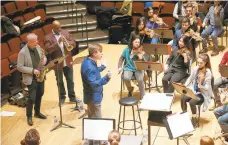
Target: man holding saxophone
(60,43)
(30,59)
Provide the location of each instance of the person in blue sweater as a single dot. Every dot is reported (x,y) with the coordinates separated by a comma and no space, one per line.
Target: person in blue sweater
(92,80)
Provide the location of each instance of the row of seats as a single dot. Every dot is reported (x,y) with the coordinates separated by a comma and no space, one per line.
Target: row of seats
(29,13)
(12,7)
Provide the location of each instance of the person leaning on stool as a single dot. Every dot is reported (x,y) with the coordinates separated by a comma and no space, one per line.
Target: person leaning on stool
(92,80)
(28,63)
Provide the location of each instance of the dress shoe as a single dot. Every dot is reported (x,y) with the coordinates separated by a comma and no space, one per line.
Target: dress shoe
(204,50)
(40,115)
(29,120)
(214,53)
(73,100)
(62,101)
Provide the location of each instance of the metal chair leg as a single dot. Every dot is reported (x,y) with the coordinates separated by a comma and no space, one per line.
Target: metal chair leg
(119,118)
(124,117)
(134,119)
(139,116)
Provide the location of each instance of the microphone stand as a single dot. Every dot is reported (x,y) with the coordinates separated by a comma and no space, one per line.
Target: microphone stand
(61,123)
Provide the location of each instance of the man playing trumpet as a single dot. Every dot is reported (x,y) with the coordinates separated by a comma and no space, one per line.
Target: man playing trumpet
(30,59)
(58,44)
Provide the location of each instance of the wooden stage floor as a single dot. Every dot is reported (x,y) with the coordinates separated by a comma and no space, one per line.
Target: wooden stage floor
(13,129)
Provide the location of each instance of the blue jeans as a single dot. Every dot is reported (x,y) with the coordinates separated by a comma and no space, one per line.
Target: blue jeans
(221,114)
(154,40)
(214,32)
(219,82)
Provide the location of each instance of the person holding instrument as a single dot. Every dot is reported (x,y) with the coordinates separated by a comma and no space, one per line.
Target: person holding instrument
(153,22)
(215,28)
(129,55)
(177,65)
(200,82)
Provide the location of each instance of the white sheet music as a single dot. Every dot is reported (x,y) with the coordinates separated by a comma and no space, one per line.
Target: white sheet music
(156,102)
(180,124)
(97,129)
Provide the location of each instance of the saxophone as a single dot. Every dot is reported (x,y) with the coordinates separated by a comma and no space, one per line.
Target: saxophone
(43,69)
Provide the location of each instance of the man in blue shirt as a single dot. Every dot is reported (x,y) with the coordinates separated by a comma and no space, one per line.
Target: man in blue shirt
(92,80)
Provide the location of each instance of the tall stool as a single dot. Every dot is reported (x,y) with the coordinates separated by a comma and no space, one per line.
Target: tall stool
(131,102)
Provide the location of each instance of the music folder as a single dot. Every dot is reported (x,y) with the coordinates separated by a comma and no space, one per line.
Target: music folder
(143,65)
(164,32)
(97,128)
(161,49)
(181,89)
(178,124)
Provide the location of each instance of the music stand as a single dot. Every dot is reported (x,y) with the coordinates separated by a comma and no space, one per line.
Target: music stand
(57,61)
(181,89)
(178,125)
(165,33)
(155,66)
(223,71)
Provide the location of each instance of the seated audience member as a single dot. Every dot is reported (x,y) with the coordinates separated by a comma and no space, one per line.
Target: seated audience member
(215,16)
(200,82)
(177,65)
(178,33)
(32,137)
(206,140)
(220,81)
(114,137)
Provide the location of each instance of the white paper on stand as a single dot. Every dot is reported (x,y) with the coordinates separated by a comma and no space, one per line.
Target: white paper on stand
(7,113)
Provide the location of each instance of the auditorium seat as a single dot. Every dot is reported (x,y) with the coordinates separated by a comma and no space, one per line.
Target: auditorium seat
(13,57)
(32,3)
(10,7)
(23,37)
(29,16)
(47,28)
(5,51)
(3,12)
(14,44)
(21,5)
(41,13)
(135,16)
(40,33)
(168,8)
(5,70)
(107,4)
(118,5)
(170,21)
(138,7)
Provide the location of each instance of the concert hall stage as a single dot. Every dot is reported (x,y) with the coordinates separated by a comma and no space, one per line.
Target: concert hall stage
(14,128)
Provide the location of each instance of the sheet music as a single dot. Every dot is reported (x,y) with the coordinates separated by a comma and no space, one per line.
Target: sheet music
(156,102)
(130,140)
(180,124)
(97,129)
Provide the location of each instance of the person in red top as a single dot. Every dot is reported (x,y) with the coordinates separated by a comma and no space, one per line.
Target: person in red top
(221,81)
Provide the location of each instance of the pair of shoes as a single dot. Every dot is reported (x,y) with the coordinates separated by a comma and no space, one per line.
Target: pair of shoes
(62,101)
(215,52)
(73,100)
(130,92)
(29,121)
(204,50)
(40,115)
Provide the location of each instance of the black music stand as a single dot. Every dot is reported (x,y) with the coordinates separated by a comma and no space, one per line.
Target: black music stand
(223,71)
(164,33)
(61,123)
(155,66)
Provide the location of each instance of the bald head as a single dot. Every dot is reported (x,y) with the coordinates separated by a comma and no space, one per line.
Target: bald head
(56,26)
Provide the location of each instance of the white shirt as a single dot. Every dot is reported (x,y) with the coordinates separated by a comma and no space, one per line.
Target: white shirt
(60,45)
(175,15)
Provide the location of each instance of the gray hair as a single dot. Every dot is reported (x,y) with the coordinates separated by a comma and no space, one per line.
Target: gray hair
(31,36)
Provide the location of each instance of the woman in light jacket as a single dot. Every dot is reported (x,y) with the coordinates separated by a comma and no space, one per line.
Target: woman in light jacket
(200,82)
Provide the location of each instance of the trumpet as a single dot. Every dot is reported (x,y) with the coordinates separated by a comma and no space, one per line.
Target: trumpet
(66,44)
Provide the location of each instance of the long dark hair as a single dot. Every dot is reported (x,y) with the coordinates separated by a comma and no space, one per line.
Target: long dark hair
(186,40)
(134,36)
(138,22)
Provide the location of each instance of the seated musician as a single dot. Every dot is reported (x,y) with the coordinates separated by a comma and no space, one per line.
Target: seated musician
(215,16)
(178,65)
(200,82)
(129,55)
(140,30)
(185,27)
(152,24)
(190,14)
(179,10)
(220,81)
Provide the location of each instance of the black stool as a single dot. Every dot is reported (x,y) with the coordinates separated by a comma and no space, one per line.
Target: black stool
(129,101)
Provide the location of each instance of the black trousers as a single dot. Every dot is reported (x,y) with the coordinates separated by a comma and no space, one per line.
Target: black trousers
(172,76)
(192,103)
(36,91)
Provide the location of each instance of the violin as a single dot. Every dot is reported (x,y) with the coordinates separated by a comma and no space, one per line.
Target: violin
(185,50)
(189,32)
(156,19)
(139,52)
(201,76)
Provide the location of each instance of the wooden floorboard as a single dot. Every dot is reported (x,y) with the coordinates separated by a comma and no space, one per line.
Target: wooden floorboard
(14,128)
